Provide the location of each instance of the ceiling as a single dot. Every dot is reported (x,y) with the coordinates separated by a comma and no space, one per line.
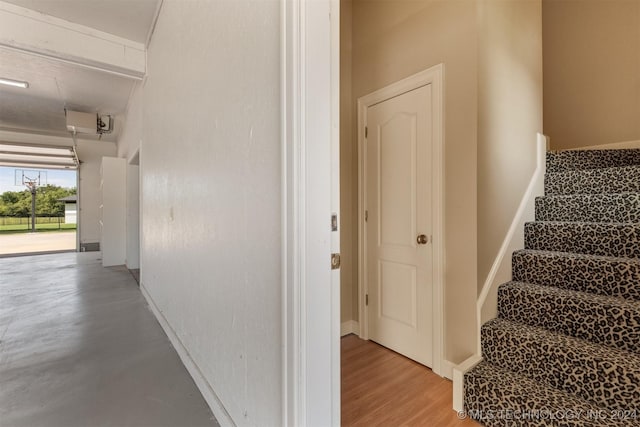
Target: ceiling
(131,19)
(23,155)
(55,85)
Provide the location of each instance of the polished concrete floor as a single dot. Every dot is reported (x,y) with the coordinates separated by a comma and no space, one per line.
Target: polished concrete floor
(79,347)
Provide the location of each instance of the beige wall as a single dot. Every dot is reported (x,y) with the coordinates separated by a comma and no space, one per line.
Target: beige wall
(509,116)
(348,177)
(390,41)
(592,72)
(492,54)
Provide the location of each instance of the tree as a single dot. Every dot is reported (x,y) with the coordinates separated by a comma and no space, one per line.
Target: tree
(47,200)
(15,203)
(18,203)
(7,200)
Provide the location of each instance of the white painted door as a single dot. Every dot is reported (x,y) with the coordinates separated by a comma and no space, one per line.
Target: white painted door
(398,203)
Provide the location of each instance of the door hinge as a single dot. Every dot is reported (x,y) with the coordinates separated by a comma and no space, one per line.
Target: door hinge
(366,131)
(335,261)
(334,222)
(366,299)
(366,215)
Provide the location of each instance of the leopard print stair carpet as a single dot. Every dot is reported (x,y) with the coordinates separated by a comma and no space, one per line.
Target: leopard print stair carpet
(565,348)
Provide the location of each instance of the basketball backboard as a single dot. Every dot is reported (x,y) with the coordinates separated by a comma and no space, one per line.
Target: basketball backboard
(30,177)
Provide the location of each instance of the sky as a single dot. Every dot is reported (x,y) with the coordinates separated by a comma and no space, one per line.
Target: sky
(61,178)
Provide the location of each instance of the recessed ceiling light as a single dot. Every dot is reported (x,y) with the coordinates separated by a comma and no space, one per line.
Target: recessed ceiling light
(16,83)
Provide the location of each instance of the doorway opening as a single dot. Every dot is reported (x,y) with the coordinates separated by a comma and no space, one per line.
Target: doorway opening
(133,216)
(38,210)
(400,242)
(400,221)
(392,230)
(383,388)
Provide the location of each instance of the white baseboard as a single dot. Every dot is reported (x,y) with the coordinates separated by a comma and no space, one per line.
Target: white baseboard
(458,381)
(349,327)
(446,369)
(210,396)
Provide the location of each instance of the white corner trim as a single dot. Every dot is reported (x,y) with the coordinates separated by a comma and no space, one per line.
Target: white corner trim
(458,380)
(292,111)
(156,15)
(349,327)
(435,77)
(513,239)
(334,104)
(209,394)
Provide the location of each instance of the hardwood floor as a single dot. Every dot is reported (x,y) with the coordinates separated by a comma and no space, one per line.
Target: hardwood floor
(382,388)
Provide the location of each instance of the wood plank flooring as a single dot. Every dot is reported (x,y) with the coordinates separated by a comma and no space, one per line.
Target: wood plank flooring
(382,388)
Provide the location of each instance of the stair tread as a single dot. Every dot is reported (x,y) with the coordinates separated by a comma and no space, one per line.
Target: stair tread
(590,159)
(577,255)
(618,207)
(496,394)
(595,372)
(619,179)
(610,239)
(585,296)
(598,170)
(607,320)
(590,195)
(590,223)
(596,274)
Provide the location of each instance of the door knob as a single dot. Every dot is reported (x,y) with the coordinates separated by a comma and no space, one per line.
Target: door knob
(422,239)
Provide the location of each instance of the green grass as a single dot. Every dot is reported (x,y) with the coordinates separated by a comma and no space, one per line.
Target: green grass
(23,228)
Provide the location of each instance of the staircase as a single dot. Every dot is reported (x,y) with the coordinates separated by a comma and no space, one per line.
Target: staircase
(565,347)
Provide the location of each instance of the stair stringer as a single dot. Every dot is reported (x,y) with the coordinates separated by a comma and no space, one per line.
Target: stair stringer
(487,304)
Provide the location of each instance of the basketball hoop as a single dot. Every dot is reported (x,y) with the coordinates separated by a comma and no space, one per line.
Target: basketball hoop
(32,185)
(32,179)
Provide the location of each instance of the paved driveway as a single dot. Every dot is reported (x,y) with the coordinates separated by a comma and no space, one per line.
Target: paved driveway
(20,243)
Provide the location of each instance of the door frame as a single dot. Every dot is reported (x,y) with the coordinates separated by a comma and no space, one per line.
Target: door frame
(133,222)
(310,94)
(78,208)
(435,77)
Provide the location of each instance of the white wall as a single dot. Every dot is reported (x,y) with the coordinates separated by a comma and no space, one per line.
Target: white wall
(129,148)
(131,134)
(113,241)
(211,195)
(90,154)
(133,217)
(70,213)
